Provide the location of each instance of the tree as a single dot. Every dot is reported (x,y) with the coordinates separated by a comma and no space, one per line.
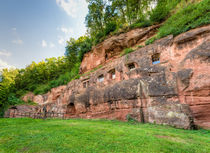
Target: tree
(76,49)
(6,87)
(95,17)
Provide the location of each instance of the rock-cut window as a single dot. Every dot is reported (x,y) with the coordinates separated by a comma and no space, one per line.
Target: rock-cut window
(85,84)
(112,74)
(101,78)
(156,58)
(131,66)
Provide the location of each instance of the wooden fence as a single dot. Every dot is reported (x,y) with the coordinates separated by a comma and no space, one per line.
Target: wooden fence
(40,115)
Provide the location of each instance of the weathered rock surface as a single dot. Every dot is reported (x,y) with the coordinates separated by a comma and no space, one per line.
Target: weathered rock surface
(113,46)
(174,92)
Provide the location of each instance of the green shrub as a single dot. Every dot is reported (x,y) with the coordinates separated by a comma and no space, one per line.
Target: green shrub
(99,38)
(13,100)
(150,41)
(141,24)
(42,89)
(20,92)
(140,46)
(76,77)
(126,51)
(130,119)
(84,47)
(160,12)
(61,80)
(31,87)
(189,17)
(192,16)
(2,110)
(29,102)
(110,27)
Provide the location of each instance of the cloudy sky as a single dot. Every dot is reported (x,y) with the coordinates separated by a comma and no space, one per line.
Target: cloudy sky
(32,30)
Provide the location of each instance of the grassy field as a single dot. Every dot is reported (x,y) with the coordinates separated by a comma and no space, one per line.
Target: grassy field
(69,136)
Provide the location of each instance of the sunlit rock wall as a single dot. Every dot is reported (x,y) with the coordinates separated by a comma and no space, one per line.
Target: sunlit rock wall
(167,82)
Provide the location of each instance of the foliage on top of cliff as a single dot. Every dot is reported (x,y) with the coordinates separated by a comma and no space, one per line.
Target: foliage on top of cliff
(110,17)
(186,18)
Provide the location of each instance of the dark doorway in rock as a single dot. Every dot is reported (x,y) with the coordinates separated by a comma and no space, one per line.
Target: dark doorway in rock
(112,74)
(101,78)
(71,109)
(106,57)
(156,58)
(131,66)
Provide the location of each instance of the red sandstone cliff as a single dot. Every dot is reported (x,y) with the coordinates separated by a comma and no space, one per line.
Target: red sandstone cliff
(174,92)
(113,46)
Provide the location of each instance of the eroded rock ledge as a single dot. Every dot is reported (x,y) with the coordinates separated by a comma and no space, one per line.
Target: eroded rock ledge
(167,82)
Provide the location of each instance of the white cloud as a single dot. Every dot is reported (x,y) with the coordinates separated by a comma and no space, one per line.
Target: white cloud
(51,45)
(47,44)
(66,30)
(69,6)
(61,40)
(17,41)
(67,33)
(77,9)
(16,37)
(72,7)
(4,65)
(44,43)
(4,52)
(14,29)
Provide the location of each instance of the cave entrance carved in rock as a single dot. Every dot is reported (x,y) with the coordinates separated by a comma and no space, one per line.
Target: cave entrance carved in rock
(71,109)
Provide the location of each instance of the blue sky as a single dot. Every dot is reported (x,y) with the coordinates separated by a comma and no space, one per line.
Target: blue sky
(32,30)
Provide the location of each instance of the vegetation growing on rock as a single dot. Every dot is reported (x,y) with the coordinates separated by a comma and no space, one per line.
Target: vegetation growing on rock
(186,18)
(126,51)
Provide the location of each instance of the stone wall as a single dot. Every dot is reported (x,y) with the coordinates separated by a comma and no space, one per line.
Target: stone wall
(167,82)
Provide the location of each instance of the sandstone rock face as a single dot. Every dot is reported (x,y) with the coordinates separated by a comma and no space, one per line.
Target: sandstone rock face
(21,110)
(113,46)
(175,92)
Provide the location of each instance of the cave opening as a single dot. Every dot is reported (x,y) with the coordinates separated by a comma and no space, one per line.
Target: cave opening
(71,109)
(131,66)
(106,57)
(112,74)
(156,58)
(101,78)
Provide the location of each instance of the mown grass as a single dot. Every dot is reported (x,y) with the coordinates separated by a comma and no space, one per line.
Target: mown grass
(69,136)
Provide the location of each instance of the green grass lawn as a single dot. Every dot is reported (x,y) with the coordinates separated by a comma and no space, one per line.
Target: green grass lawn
(68,136)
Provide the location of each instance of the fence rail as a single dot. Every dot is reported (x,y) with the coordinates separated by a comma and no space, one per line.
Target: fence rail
(40,115)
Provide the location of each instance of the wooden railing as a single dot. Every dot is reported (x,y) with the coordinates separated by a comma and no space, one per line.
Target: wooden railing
(40,115)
